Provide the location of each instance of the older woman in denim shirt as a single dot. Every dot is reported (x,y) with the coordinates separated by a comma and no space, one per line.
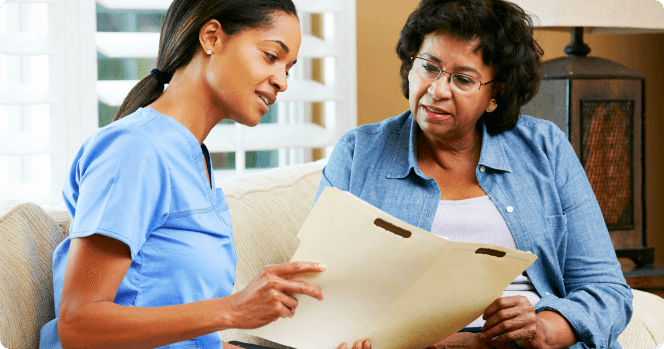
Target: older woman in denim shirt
(465,165)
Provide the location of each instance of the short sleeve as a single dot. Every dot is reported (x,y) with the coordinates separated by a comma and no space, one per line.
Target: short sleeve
(118,187)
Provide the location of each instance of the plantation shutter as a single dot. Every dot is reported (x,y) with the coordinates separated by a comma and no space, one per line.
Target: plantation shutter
(47,100)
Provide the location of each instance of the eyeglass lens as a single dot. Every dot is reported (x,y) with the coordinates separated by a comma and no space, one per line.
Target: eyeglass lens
(461,82)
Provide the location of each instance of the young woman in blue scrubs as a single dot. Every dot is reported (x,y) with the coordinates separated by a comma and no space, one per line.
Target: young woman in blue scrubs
(149,261)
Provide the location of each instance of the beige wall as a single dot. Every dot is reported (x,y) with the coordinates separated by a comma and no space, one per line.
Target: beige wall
(379,92)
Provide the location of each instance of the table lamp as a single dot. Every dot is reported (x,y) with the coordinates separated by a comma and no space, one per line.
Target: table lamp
(599,104)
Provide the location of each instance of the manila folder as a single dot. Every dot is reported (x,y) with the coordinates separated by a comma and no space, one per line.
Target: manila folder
(387,281)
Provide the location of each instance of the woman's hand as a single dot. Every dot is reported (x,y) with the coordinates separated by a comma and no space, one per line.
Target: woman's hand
(510,319)
(461,340)
(269,296)
(513,323)
(361,344)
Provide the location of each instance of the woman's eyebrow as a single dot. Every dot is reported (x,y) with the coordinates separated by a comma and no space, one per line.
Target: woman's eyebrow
(283,47)
(466,69)
(433,58)
(457,68)
(281,43)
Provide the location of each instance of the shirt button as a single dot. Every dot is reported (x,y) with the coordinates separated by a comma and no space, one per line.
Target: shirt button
(482,169)
(510,209)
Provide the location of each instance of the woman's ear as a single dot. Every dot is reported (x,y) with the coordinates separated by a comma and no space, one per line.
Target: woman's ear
(211,36)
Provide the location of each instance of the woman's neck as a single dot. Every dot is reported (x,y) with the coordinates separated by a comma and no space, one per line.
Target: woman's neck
(188,101)
(450,153)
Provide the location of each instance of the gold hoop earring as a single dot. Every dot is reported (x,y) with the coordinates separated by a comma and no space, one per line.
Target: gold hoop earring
(492,106)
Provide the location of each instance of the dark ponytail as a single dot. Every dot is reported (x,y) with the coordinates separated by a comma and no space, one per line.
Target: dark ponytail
(179,38)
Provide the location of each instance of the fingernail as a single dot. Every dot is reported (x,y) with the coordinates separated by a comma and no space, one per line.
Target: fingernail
(368,344)
(322,266)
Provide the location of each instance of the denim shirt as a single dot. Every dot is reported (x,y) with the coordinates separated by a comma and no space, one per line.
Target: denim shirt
(533,176)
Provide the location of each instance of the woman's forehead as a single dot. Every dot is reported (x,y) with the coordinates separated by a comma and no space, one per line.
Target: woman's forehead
(455,54)
(441,40)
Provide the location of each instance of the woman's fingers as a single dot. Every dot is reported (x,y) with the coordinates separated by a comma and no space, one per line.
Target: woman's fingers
(269,296)
(278,277)
(509,319)
(504,303)
(291,269)
(505,315)
(362,344)
(302,287)
(294,286)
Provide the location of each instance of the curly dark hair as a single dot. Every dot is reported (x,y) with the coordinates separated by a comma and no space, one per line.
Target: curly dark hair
(505,34)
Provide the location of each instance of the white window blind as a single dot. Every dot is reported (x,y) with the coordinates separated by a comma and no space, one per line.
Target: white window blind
(288,134)
(59,82)
(47,79)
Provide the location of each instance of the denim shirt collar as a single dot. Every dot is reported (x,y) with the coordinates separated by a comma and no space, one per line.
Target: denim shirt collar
(404,157)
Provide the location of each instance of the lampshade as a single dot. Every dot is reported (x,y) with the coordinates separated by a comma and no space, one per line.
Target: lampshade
(599,16)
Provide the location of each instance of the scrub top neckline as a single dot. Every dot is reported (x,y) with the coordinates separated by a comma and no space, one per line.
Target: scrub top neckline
(197,151)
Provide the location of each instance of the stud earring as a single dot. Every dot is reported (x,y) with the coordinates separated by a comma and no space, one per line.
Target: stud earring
(492,106)
(209,52)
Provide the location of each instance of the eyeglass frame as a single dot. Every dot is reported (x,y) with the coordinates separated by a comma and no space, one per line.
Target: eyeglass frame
(451,74)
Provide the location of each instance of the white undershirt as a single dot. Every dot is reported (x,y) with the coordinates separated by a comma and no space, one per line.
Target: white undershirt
(478,220)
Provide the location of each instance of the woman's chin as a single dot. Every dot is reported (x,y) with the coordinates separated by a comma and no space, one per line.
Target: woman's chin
(249,120)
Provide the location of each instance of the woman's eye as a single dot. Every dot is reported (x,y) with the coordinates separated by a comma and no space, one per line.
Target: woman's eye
(431,68)
(271,57)
(464,80)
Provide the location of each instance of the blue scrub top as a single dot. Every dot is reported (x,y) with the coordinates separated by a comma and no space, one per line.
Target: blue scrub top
(141,180)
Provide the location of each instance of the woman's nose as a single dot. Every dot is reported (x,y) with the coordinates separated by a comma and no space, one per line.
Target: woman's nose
(280,81)
(441,88)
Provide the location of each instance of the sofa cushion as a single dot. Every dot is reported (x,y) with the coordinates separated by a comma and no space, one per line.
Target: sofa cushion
(267,211)
(28,237)
(646,328)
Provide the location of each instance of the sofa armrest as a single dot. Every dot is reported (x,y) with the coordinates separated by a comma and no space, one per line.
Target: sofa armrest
(646,329)
(28,236)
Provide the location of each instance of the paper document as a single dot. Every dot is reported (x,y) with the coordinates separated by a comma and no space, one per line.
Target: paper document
(387,281)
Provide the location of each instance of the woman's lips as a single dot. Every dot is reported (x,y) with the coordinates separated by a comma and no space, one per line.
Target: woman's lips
(438,115)
(264,104)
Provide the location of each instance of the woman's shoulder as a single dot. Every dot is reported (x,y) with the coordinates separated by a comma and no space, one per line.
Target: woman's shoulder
(532,129)
(133,136)
(136,123)
(138,129)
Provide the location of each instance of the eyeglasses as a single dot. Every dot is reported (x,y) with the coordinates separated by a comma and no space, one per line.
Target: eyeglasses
(460,82)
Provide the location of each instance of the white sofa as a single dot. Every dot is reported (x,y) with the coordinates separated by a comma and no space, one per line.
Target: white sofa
(267,211)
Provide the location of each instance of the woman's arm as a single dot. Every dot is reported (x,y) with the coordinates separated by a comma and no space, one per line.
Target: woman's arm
(595,301)
(96,266)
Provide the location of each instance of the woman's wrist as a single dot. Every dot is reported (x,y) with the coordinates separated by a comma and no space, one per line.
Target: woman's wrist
(554,332)
(226,316)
